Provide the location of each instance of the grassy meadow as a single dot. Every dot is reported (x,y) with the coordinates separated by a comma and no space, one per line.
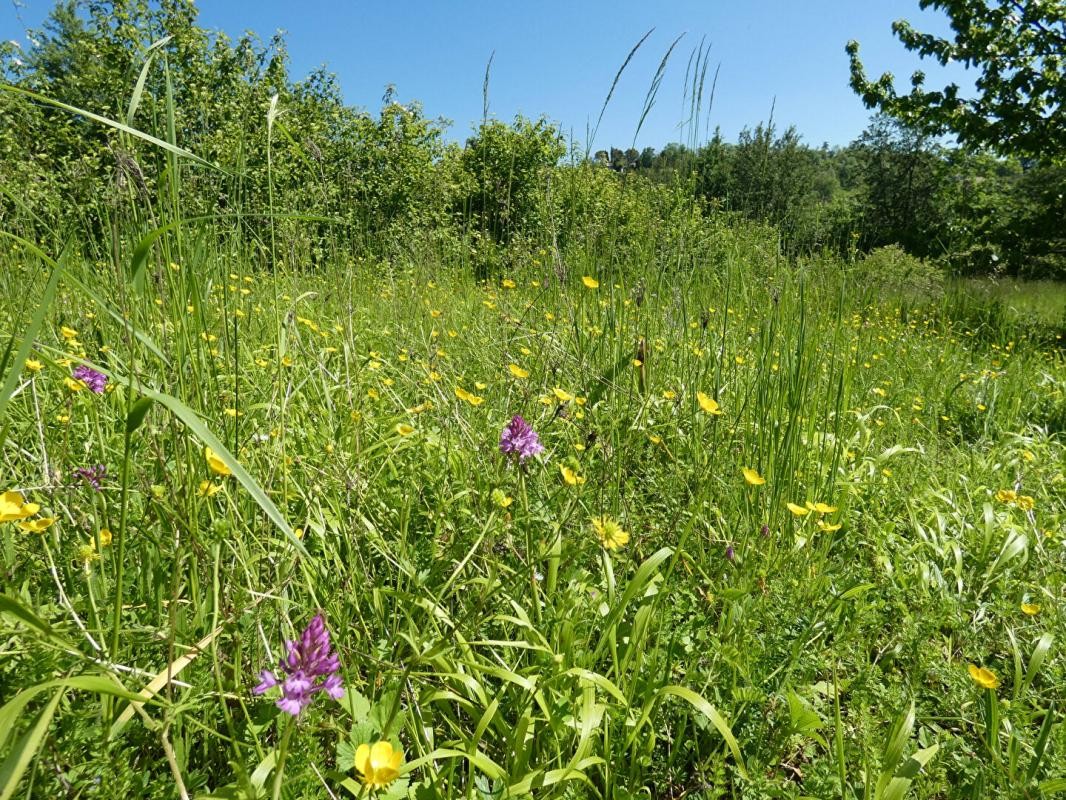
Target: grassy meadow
(839,574)
(343,462)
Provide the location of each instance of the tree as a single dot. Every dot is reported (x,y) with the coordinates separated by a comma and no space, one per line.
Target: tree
(903,175)
(509,167)
(1019,46)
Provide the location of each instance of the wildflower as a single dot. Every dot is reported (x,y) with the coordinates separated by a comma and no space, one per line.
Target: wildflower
(105,538)
(472,399)
(95,381)
(500,498)
(93,476)
(310,667)
(1025,502)
(507,283)
(13,507)
(217,465)
(821,508)
(730,553)
(562,395)
(87,554)
(68,333)
(1032,609)
(828,527)
(571,477)
(799,511)
(753,477)
(985,678)
(208,489)
(517,371)
(590,282)
(38,525)
(609,532)
(33,365)
(520,440)
(404,429)
(378,764)
(708,404)
(1006,495)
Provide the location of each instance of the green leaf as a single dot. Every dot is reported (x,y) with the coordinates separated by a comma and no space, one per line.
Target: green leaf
(140,410)
(25,748)
(27,617)
(477,758)
(701,705)
(29,336)
(897,740)
(138,89)
(1036,661)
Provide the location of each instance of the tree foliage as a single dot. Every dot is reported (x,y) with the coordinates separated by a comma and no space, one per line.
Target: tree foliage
(1019,49)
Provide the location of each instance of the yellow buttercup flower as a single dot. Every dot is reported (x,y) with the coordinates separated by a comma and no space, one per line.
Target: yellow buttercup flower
(500,498)
(753,477)
(14,507)
(562,395)
(1032,609)
(1025,502)
(827,527)
(708,404)
(822,508)
(217,465)
(507,283)
(472,399)
(404,429)
(105,538)
(985,678)
(378,764)
(33,365)
(208,489)
(1006,495)
(799,511)
(38,525)
(609,532)
(571,477)
(517,371)
(590,282)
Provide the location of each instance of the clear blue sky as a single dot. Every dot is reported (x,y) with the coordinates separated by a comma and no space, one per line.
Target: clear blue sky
(559,58)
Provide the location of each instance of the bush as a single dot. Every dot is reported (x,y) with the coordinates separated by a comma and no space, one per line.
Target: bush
(890,272)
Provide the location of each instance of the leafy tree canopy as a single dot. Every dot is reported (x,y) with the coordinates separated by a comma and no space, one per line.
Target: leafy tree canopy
(1019,47)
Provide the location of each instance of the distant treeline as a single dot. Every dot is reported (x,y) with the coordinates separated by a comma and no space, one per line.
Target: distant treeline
(387,183)
(972,211)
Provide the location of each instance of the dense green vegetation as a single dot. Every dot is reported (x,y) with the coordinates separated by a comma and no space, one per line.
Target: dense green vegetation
(796,528)
(387,183)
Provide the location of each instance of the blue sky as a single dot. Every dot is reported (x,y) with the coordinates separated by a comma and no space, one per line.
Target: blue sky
(559,58)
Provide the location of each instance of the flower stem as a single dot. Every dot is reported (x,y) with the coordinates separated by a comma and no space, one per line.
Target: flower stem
(283,752)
